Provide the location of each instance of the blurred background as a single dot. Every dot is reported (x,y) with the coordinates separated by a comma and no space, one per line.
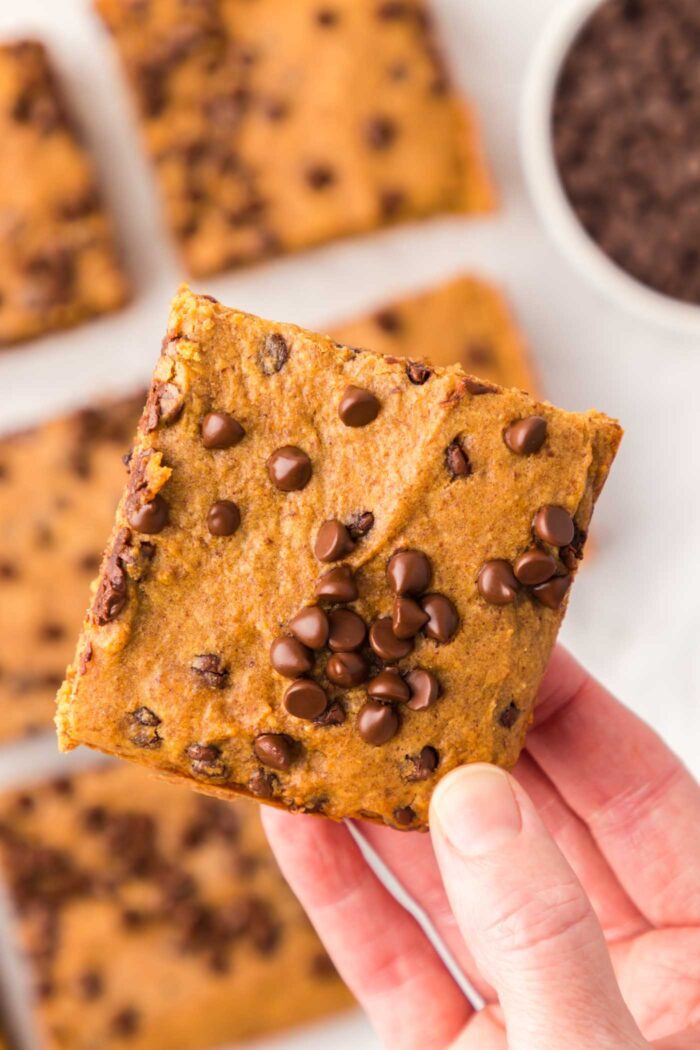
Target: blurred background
(635,614)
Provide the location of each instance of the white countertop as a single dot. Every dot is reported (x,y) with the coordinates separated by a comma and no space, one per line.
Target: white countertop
(635,613)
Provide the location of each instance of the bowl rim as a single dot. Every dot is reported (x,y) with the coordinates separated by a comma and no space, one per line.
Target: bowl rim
(547,191)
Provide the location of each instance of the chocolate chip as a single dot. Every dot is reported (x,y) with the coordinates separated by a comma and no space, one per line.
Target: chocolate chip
(526,435)
(289,468)
(424,764)
(142,731)
(145,717)
(346,630)
(305,699)
(276,750)
(377,723)
(389,685)
(274,354)
(476,387)
(327,17)
(389,321)
(90,984)
(150,517)
(338,585)
(275,109)
(554,525)
(358,407)
(320,176)
(334,715)
(360,524)
(51,632)
(443,619)
(509,715)
(8,571)
(221,430)
(457,460)
(534,566)
(333,541)
(347,670)
(409,572)
(385,644)
(223,518)
(418,373)
(496,582)
(391,9)
(424,687)
(391,201)
(290,658)
(164,404)
(126,1022)
(211,669)
(407,618)
(404,816)
(310,626)
(553,592)
(262,784)
(380,132)
(206,760)
(479,353)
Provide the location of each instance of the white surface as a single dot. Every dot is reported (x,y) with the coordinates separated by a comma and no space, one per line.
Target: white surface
(547,191)
(635,614)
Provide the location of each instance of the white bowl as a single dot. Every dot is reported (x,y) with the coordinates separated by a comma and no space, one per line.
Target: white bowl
(548,193)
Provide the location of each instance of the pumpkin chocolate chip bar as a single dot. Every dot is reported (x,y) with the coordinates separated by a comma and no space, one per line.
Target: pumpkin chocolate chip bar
(328,584)
(274,126)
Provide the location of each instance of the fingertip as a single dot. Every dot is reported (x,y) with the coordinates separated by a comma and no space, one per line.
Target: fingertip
(475,809)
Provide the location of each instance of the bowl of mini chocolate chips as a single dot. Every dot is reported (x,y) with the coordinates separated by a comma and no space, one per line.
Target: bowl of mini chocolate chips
(610,135)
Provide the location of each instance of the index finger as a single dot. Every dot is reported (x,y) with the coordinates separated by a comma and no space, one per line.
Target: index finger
(639,801)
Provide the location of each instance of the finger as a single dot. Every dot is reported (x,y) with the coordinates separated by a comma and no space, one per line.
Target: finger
(411,858)
(523,913)
(659,977)
(640,803)
(618,916)
(484,1032)
(379,950)
(689,1040)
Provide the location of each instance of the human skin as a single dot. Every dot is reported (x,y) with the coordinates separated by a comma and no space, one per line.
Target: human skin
(568,892)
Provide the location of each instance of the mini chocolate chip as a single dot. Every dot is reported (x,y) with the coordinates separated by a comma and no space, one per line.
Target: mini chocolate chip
(333,541)
(526,435)
(126,1022)
(51,632)
(377,723)
(534,566)
(327,17)
(206,760)
(407,618)
(274,354)
(305,699)
(404,816)
(320,176)
(276,750)
(457,460)
(509,715)
(290,658)
(424,687)
(409,572)
(380,132)
(553,592)
(346,630)
(391,201)
(289,468)
(385,644)
(347,670)
(443,619)
(554,525)
(338,585)
(91,984)
(424,764)
(476,387)
(221,430)
(150,517)
(262,784)
(223,518)
(211,669)
(310,627)
(496,582)
(418,373)
(389,685)
(389,321)
(360,524)
(358,407)
(334,715)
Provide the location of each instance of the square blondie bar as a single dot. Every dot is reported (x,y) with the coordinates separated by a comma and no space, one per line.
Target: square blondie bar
(332,579)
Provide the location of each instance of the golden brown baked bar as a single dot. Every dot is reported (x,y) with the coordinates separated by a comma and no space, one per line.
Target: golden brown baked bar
(58,263)
(276,125)
(154,918)
(275,470)
(59,486)
(465,321)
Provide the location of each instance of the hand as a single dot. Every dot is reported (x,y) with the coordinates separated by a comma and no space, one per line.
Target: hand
(569,892)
